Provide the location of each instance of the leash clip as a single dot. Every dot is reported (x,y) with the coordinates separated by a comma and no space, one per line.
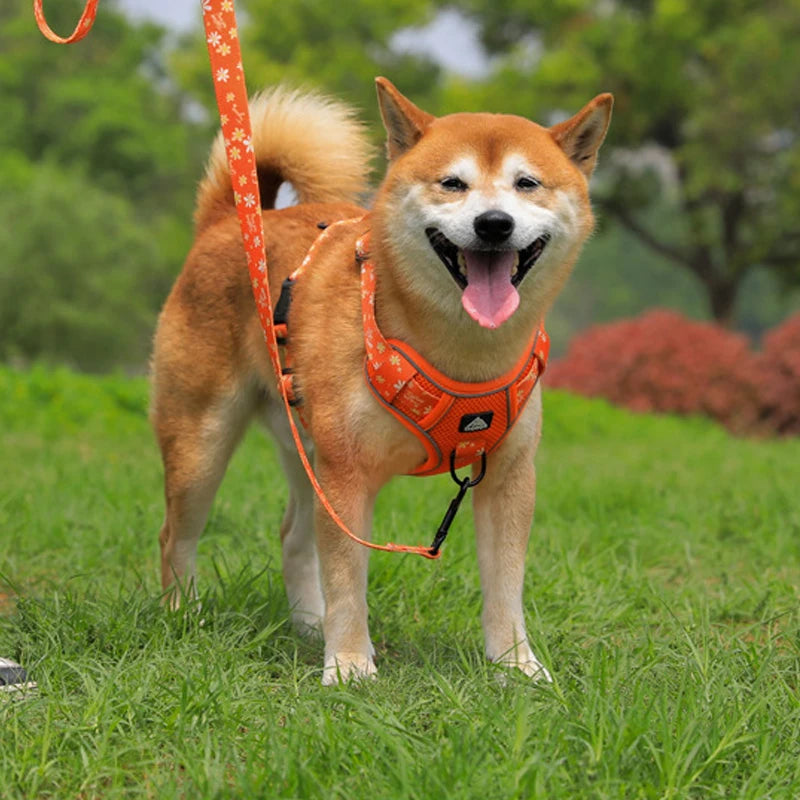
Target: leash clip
(464,484)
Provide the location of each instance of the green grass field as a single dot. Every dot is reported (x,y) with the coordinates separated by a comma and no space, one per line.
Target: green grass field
(662,593)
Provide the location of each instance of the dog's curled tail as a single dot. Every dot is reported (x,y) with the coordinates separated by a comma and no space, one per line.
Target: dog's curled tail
(311,141)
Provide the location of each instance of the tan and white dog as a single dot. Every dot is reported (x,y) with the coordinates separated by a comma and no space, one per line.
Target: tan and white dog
(464,199)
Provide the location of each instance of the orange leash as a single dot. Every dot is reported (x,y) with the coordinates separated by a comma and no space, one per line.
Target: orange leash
(81,29)
(222,39)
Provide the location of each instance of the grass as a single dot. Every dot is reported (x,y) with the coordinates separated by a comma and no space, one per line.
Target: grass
(662,593)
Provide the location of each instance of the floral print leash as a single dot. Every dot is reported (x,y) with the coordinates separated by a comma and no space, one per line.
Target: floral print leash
(222,39)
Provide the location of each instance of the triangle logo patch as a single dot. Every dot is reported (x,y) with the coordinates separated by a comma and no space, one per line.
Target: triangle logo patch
(473,423)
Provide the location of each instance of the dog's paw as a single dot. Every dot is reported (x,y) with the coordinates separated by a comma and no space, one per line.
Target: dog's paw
(534,669)
(345,667)
(522,658)
(178,596)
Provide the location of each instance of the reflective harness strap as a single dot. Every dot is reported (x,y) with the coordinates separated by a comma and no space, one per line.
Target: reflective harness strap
(280,317)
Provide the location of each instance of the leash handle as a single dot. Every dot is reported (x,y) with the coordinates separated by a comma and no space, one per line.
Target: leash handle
(222,40)
(81,29)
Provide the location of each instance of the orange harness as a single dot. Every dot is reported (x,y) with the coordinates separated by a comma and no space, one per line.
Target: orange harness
(457,423)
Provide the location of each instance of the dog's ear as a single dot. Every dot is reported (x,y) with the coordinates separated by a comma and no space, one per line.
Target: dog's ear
(404,122)
(580,136)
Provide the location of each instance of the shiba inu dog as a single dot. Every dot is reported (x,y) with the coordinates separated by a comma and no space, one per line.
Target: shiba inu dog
(473,232)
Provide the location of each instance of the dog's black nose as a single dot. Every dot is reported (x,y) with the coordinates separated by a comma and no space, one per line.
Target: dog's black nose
(494,226)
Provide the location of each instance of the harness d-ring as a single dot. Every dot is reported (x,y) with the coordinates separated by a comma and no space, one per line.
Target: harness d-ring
(463,485)
(466,482)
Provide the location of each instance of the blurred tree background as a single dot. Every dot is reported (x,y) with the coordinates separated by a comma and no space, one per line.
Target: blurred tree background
(698,190)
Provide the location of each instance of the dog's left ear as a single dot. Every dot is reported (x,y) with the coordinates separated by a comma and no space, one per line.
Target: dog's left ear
(580,136)
(404,122)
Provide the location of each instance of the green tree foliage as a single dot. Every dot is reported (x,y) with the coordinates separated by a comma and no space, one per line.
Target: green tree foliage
(706,92)
(97,169)
(77,273)
(101,146)
(102,106)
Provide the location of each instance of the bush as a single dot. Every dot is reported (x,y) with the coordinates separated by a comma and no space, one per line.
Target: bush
(76,268)
(662,361)
(779,375)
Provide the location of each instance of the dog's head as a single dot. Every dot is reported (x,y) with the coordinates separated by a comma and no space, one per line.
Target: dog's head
(480,211)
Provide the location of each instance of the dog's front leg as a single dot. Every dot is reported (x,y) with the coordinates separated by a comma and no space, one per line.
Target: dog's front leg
(343,563)
(503,504)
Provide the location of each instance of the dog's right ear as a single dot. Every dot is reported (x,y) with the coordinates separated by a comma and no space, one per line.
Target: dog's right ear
(404,122)
(580,136)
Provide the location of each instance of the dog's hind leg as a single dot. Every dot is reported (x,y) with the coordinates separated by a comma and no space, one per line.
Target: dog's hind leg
(196,445)
(300,562)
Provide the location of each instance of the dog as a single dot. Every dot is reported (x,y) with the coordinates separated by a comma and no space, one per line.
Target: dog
(472,234)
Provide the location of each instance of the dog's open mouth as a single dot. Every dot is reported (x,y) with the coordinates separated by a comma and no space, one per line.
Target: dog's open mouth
(488,278)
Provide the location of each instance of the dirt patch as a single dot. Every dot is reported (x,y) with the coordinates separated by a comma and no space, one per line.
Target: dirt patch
(6,602)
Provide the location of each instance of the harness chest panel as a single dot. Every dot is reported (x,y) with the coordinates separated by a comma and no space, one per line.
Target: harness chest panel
(447,416)
(450,418)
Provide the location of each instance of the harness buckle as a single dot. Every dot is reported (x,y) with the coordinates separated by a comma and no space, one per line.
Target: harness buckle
(280,316)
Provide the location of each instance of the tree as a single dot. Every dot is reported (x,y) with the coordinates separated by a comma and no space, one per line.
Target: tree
(103,106)
(98,164)
(707,117)
(76,273)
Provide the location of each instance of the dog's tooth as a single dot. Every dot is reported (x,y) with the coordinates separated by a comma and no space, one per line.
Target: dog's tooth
(462,264)
(515,268)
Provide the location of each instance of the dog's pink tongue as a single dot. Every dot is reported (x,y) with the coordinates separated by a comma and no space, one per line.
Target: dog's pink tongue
(490,298)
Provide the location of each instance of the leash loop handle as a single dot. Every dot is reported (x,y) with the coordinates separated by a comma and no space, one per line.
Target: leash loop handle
(81,29)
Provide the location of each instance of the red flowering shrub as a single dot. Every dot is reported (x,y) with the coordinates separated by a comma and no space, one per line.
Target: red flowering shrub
(779,375)
(662,361)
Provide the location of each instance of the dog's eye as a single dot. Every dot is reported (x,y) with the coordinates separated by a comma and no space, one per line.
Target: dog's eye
(453,184)
(527,184)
